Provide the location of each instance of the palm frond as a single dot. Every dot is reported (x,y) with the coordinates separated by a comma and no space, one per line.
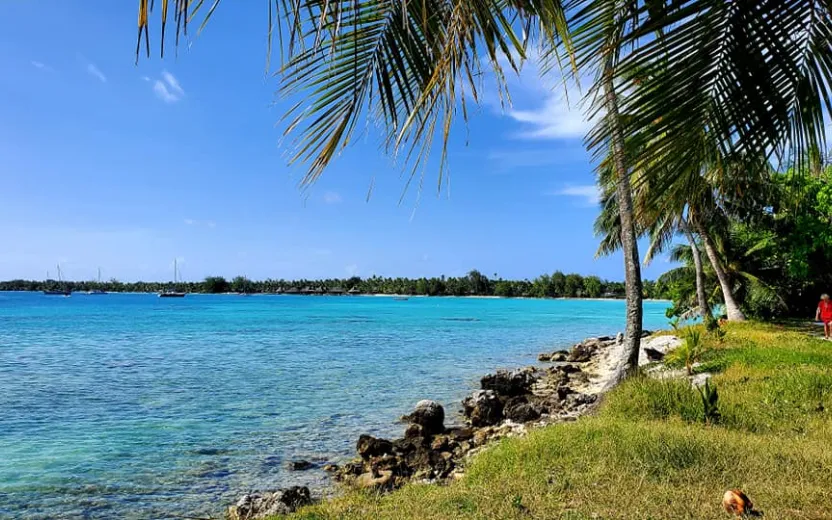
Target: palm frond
(756,74)
(409,67)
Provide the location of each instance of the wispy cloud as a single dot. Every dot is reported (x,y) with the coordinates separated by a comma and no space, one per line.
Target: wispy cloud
(525,160)
(554,119)
(173,82)
(206,223)
(145,78)
(541,105)
(95,72)
(168,88)
(332,197)
(42,66)
(589,193)
(352,270)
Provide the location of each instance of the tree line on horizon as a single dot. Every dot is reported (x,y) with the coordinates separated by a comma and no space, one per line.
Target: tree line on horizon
(556,285)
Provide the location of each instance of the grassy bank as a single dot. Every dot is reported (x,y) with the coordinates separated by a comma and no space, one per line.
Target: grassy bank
(648,454)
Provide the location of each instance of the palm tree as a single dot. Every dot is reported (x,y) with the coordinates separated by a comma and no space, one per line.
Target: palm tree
(699,269)
(756,73)
(747,263)
(688,206)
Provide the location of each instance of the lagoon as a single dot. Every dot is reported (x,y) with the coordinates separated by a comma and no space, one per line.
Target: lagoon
(132,406)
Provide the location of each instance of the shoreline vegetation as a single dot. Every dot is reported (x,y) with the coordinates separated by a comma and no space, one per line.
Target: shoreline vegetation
(749,410)
(556,285)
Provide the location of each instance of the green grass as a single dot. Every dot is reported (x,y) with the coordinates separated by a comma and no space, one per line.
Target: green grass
(647,454)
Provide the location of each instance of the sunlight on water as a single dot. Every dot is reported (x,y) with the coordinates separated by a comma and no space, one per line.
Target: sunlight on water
(139,407)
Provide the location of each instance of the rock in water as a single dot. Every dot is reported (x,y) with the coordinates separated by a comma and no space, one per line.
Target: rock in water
(555,357)
(516,382)
(560,355)
(429,415)
(368,446)
(256,505)
(300,465)
(483,408)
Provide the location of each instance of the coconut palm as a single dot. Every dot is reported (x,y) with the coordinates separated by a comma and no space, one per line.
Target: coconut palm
(755,73)
(746,261)
(693,205)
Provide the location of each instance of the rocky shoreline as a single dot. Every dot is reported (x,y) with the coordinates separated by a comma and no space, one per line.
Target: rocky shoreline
(508,403)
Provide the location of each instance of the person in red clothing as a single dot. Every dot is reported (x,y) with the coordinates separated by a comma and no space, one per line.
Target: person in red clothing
(824,314)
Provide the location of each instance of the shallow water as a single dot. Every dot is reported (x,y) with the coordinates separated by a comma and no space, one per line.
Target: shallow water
(132,406)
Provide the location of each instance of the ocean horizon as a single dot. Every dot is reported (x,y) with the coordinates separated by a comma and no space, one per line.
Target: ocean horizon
(132,406)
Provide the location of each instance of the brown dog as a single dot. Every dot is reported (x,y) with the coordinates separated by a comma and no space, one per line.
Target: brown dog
(738,504)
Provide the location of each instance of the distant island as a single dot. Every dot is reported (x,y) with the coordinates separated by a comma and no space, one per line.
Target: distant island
(556,285)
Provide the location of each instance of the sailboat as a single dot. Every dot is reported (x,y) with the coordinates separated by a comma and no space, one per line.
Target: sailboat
(97,291)
(173,293)
(61,290)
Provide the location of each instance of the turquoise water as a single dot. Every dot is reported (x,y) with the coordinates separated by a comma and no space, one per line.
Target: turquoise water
(132,406)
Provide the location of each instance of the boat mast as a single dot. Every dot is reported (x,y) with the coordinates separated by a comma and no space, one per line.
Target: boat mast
(174,272)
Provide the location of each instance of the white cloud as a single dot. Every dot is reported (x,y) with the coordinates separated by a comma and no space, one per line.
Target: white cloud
(41,66)
(168,88)
(145,78)
(332,197)
(554,119)
(193,222)
(589,192)
(96,72)
(173,82)
(352,270)
(541,105)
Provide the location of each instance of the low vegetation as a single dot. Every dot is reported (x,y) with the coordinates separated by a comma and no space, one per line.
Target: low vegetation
(655,450)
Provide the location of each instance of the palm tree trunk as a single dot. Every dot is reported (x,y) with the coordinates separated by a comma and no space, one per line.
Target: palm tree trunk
(704,308)
(731,307)
(632,265)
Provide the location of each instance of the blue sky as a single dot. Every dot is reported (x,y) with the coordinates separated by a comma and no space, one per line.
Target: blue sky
(105,163)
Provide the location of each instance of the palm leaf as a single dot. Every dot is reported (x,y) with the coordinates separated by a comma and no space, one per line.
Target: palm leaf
(756,74)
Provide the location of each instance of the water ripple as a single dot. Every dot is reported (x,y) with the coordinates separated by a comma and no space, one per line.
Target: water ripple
(132,406)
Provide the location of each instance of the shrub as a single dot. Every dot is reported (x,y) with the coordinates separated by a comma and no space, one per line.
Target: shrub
(689,352)
(710,403)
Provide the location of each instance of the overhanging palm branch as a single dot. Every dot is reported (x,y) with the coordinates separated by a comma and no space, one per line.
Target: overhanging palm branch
(408,67)
(756,74)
